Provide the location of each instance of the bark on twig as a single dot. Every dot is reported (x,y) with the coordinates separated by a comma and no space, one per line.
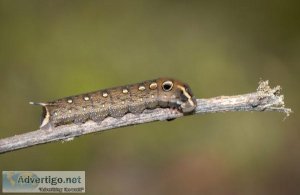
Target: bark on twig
(264,99)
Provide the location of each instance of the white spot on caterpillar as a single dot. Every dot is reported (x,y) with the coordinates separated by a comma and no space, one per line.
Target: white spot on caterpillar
(55,113)
(153,85)
(104,94)
(152,96)
(125,91)
(142,88)
(86,98)
(70,101)
(70,111)
(141,99)
(123,102)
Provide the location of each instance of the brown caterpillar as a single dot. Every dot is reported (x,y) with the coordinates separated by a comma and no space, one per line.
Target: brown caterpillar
(117,101)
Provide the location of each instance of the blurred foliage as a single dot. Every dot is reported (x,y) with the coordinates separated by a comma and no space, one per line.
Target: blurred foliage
(52,49)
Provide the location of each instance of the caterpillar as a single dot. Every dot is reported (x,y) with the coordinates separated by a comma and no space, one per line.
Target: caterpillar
(117,101)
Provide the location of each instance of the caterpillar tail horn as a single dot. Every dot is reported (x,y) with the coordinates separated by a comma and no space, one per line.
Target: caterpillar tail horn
(38,103)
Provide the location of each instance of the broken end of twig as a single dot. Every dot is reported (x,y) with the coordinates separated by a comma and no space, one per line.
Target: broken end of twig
(274,96)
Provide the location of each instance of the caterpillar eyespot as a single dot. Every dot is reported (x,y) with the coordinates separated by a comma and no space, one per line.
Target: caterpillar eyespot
(117,101)
(167,85)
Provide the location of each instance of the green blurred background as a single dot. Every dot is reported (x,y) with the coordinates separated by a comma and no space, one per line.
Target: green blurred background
(52,49)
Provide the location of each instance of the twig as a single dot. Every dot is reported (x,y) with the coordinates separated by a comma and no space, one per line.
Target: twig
(264,99)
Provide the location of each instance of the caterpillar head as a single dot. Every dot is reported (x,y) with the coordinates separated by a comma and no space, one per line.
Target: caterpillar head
(177,94)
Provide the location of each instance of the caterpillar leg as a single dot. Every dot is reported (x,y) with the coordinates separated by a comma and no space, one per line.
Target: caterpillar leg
(47,127)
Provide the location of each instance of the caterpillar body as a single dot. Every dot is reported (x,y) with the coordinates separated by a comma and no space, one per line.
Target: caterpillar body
(117,101)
